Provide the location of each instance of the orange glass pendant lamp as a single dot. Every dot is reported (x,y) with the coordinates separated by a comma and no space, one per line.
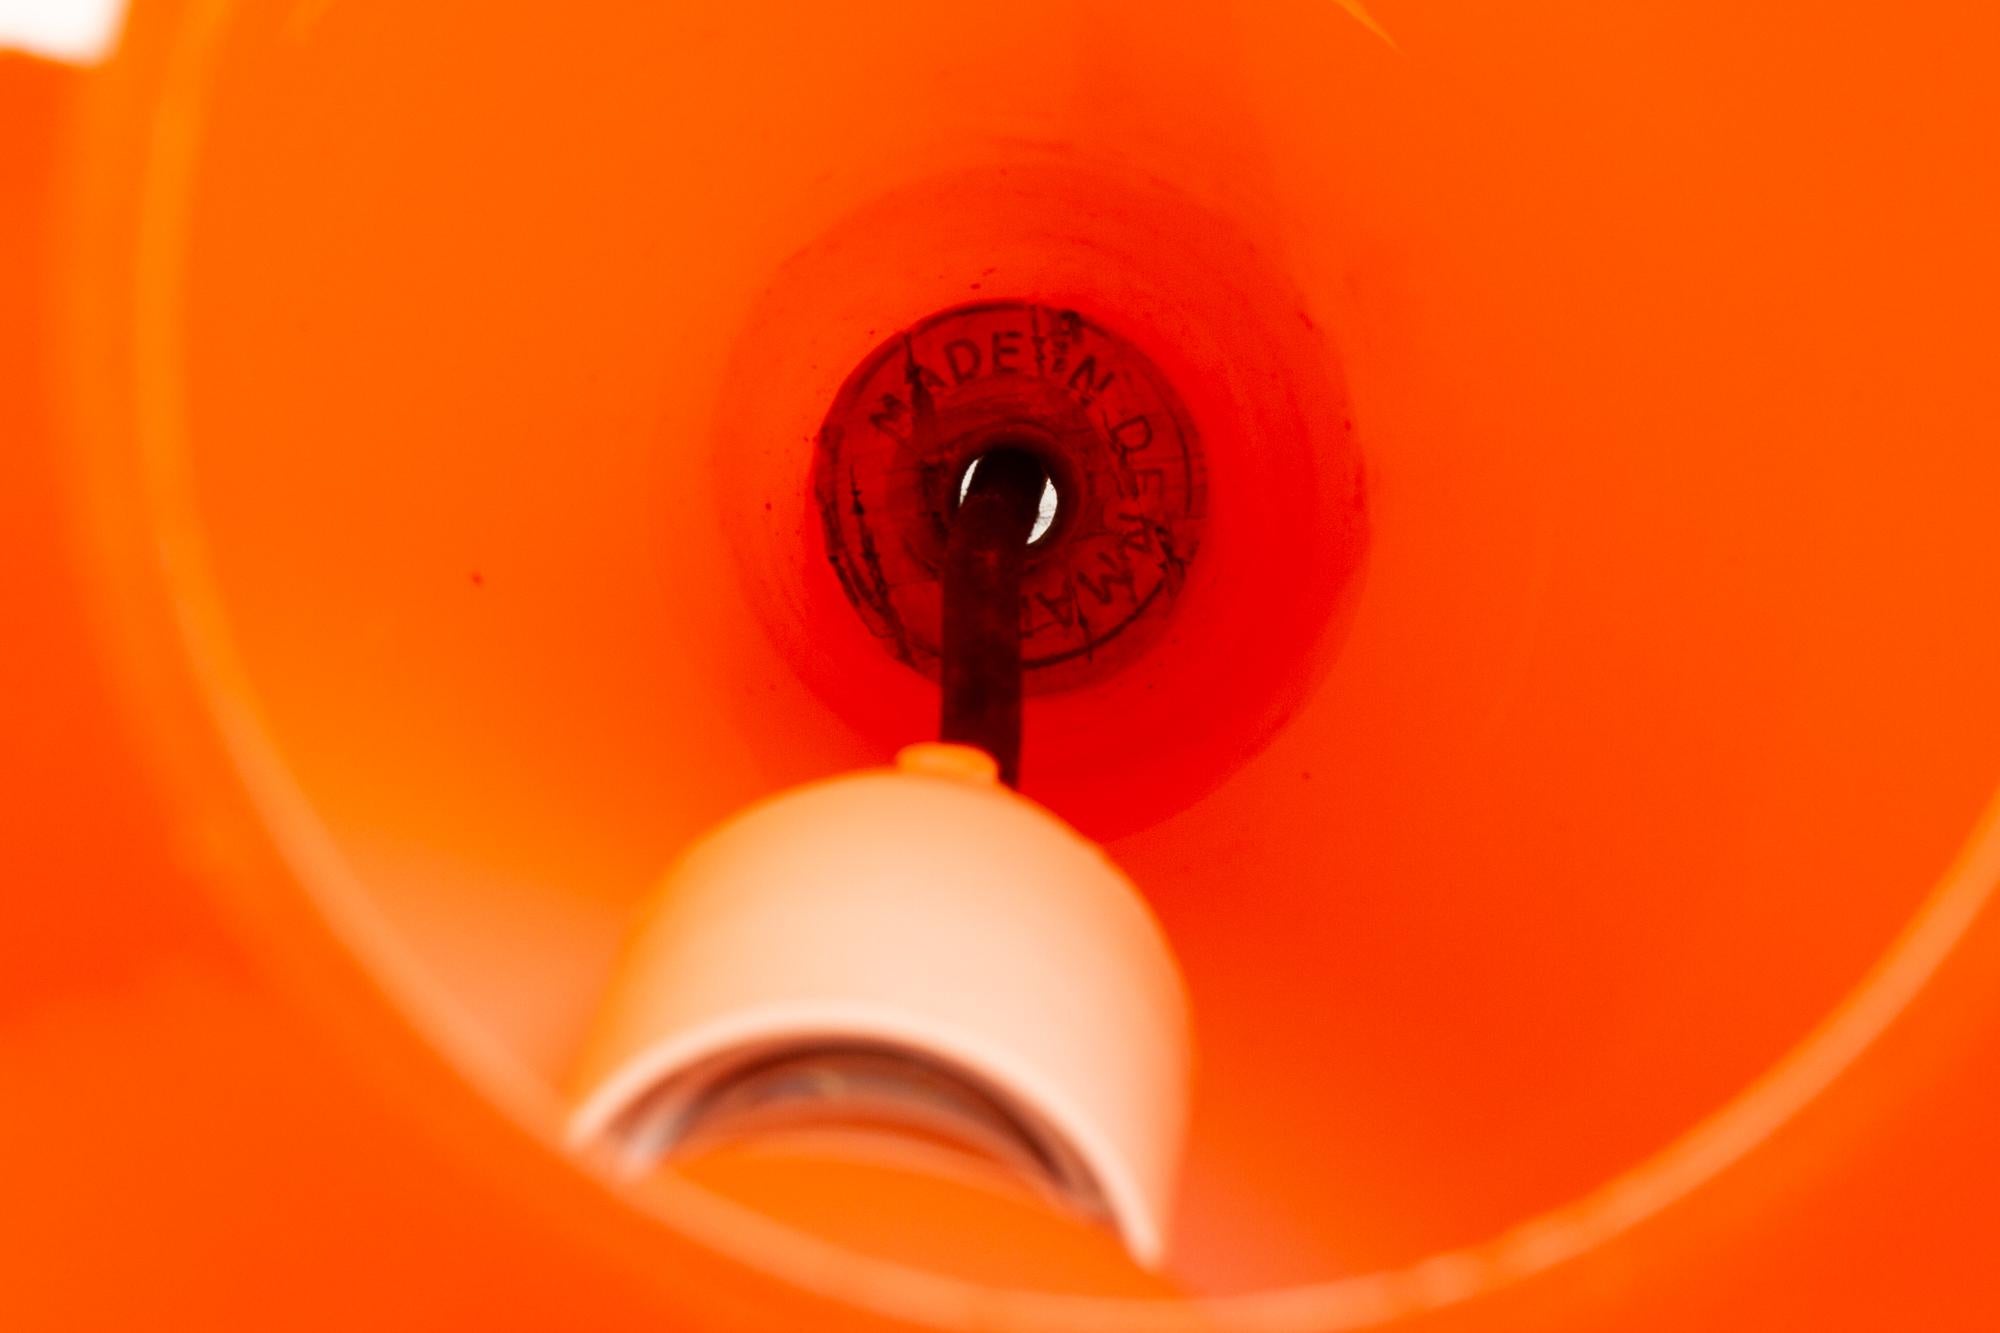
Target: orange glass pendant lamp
(1506,637)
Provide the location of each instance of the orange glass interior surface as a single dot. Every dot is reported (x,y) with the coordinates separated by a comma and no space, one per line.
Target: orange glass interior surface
(1589,674)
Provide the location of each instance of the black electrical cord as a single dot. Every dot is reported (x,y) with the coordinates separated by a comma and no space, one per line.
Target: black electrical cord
(982,606)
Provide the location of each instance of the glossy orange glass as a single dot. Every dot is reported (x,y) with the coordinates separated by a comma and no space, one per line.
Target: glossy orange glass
(402,393)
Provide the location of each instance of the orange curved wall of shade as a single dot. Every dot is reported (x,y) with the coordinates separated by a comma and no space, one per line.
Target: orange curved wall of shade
(1566,780)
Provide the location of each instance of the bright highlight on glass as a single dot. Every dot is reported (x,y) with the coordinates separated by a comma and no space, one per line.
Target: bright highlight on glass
(79,31)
